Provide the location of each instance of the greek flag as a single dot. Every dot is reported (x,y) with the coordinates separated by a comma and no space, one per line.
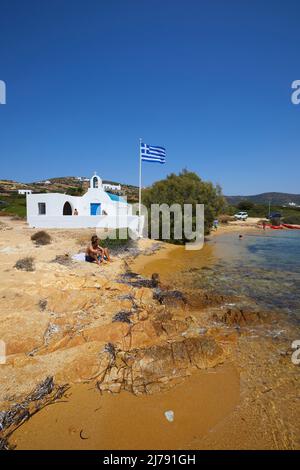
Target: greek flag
(151,153)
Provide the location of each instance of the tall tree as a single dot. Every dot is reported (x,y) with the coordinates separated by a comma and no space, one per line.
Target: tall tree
(187,188)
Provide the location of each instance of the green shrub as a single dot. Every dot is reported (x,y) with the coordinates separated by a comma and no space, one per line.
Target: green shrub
(13,204)
(292,219)
(116,244)
(186,188)
(245,205)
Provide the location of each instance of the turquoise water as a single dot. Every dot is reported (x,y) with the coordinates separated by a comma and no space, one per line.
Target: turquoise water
(264,267)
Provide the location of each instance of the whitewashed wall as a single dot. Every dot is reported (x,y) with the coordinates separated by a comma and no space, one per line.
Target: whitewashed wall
(55,203)
(92,221)
(119,214)
(24,191)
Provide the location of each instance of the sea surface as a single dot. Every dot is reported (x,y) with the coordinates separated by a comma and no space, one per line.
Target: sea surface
(261,266)
(264,267)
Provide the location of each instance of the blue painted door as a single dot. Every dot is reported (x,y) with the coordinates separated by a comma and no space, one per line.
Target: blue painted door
(95,209)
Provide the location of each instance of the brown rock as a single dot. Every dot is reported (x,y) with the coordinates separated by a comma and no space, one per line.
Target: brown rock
(113,333)
(144,296)
(241,316)
(156,367)
(143,315)
(202,299)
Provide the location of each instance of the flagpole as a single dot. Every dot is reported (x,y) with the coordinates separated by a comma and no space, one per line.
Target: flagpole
(140,185)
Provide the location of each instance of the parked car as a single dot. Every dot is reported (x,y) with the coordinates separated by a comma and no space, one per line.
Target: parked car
(274,215)
(241,216)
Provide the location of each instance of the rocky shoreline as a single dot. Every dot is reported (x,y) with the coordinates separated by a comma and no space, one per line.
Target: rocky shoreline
(121,331)
(150,344)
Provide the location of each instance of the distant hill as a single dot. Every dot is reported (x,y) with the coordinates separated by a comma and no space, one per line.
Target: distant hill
(63,184)
(277,199)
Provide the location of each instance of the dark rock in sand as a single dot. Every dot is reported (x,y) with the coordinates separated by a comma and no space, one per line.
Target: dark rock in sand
(169,297)
(122,316)
(203,299)
(135,280)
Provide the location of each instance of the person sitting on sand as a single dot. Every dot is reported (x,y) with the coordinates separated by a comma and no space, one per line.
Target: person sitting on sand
(95,253)
(104,253)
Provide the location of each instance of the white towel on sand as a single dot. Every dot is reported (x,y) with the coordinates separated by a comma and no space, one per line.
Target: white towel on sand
(79,257)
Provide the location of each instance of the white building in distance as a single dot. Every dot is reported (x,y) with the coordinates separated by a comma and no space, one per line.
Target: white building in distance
(96,208)
(24,191)
(111,187)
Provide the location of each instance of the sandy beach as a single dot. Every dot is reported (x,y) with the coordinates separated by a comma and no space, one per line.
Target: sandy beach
(127,353)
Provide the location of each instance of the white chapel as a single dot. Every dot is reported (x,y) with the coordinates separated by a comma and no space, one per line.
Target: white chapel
(96,208)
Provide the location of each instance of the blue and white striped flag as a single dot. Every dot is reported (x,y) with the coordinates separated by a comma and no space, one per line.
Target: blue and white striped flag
(151,153)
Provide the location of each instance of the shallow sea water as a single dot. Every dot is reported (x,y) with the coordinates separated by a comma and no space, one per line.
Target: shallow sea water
(264,267)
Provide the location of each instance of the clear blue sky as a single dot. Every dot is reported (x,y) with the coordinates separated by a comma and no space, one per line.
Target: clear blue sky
(209,80)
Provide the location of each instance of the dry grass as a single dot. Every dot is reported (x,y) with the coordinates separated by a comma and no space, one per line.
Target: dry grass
(25,264)
(85,239)
(17,217)
(41,238)
(65,260)
(224,218)
(261,221)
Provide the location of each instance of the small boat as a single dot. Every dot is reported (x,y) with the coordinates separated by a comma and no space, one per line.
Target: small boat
(277,227)
(291,226)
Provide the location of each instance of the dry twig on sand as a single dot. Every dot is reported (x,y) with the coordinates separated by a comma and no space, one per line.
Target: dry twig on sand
(43,395)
